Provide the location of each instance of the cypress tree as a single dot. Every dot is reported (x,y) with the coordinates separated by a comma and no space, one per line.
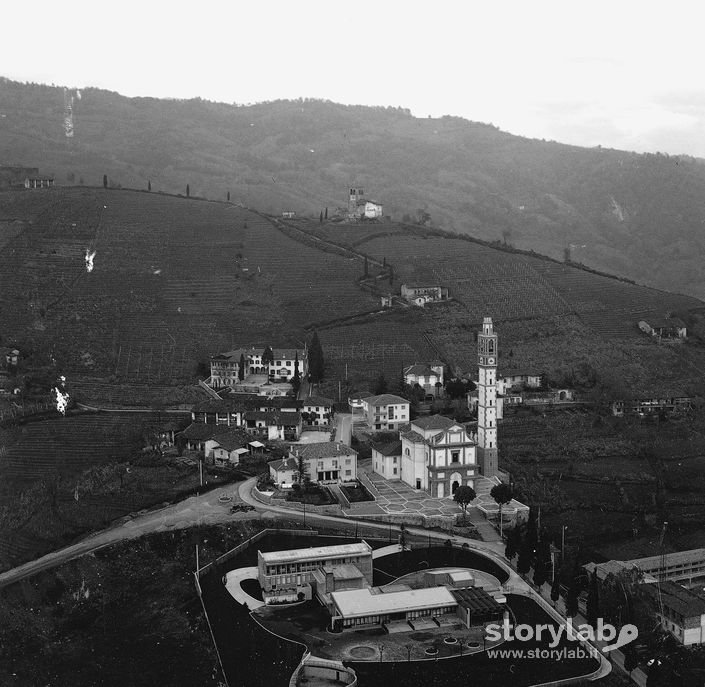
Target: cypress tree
(105,181)
(188,190)
(541,565)
(316,364)
(556,588)
(526,556)
(241,368)
(228,196)
(296,379)
(326,215)
(320,218)
(514,543)
(593,600)
(149,185)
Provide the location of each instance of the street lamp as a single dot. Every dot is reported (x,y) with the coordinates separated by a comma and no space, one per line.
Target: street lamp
(381,649)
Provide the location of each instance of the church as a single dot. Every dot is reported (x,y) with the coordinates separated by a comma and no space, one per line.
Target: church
(436,454)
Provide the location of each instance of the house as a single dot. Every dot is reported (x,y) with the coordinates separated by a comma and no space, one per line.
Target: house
(274,424)
(420,295)
(517,379)
(227,448)
(285,471)
(317,410)
(361,208)
(667,329)
(680,612)
(225,367)
(327,461)
(227,411)
(429,376)
(288,214)
(10,356)
(195,436)
(357,399)
(386,459)
(282,575)
(438,455)
(648,404)
(38,181)
(386,411)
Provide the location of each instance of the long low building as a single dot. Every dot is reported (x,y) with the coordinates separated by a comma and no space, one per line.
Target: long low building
(286,573)
(365,607)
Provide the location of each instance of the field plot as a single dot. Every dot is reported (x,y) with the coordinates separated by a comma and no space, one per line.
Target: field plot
(71,444)
(383,345)
(174,281)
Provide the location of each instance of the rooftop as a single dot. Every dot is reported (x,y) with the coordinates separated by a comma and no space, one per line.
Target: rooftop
(420,370)
(231,438)
(683,601)
(386,400)
(432,422)
(476,600)
(281,418)
(363,602)
(389,448)
(317,553)
(359,395)
(284,464)
(317,401)
(675,558)
(200,431)
(347,571)
(323,449)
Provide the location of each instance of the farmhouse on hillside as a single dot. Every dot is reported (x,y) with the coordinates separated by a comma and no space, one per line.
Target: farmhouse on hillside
(665,330)
(420,295)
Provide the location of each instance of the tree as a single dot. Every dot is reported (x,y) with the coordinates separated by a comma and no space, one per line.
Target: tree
(296,379)
(381,384)
(464,495)
(513,543)
(526,558)
(391,274)
(571,601)
(326,215)
(631,659)
(105,181)
(541,564)
(188,190)
(241,368)
(593,600)
(502,494)
(316,364)
(556,588)
(366,268)
(302,470)
(267,357)
(320,219)
(149,185)
(228,196)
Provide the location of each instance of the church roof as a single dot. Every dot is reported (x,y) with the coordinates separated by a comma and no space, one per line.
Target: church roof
(432,422)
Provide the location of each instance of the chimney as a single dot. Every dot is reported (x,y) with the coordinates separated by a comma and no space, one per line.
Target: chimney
(337,448)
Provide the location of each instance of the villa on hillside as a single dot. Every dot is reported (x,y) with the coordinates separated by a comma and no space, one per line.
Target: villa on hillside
(226,372)
(429,376)
(361,208)
(646,403)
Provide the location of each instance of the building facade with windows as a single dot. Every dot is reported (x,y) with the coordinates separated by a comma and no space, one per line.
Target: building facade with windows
(386,411)
(438,455)
(429,376)
(225,367)
(386,459)
(327,462)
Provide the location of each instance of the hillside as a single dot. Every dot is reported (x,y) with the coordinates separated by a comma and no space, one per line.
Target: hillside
(635,215)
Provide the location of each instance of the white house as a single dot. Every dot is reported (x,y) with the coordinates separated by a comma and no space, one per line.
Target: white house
(274,424)
(317,410)
(327,461)
(665,329)
(429,376)
(284,471)
(386,411)
(386,459)
(357,400)
(513,379)
(372,210)
(438,455)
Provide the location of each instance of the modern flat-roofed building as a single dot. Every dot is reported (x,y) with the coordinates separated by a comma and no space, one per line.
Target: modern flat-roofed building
(291,570)
(679,611)
(373,606)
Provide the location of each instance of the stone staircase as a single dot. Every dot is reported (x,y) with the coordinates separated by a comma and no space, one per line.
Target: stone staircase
(483,485)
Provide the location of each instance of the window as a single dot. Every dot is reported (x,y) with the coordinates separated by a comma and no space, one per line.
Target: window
(320,465)
(348,473)
(455,456)
(394,460)
(394,471)
(348,461)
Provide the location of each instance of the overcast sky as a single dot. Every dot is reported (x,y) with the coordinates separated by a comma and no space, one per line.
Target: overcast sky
(621,74)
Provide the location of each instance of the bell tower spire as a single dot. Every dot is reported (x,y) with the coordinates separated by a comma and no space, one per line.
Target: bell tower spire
(487,352)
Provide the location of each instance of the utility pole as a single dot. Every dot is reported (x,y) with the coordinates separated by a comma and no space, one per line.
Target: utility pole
(197,565)
(565,527)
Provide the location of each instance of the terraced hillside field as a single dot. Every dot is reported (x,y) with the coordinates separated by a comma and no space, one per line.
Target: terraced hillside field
(174,281)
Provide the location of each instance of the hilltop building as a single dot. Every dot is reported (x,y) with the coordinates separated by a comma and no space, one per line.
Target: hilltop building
(665,330)
(420,295)
(361,208)
(38,181)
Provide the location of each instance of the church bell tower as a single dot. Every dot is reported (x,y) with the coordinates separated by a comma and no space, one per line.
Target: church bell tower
(487,399)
